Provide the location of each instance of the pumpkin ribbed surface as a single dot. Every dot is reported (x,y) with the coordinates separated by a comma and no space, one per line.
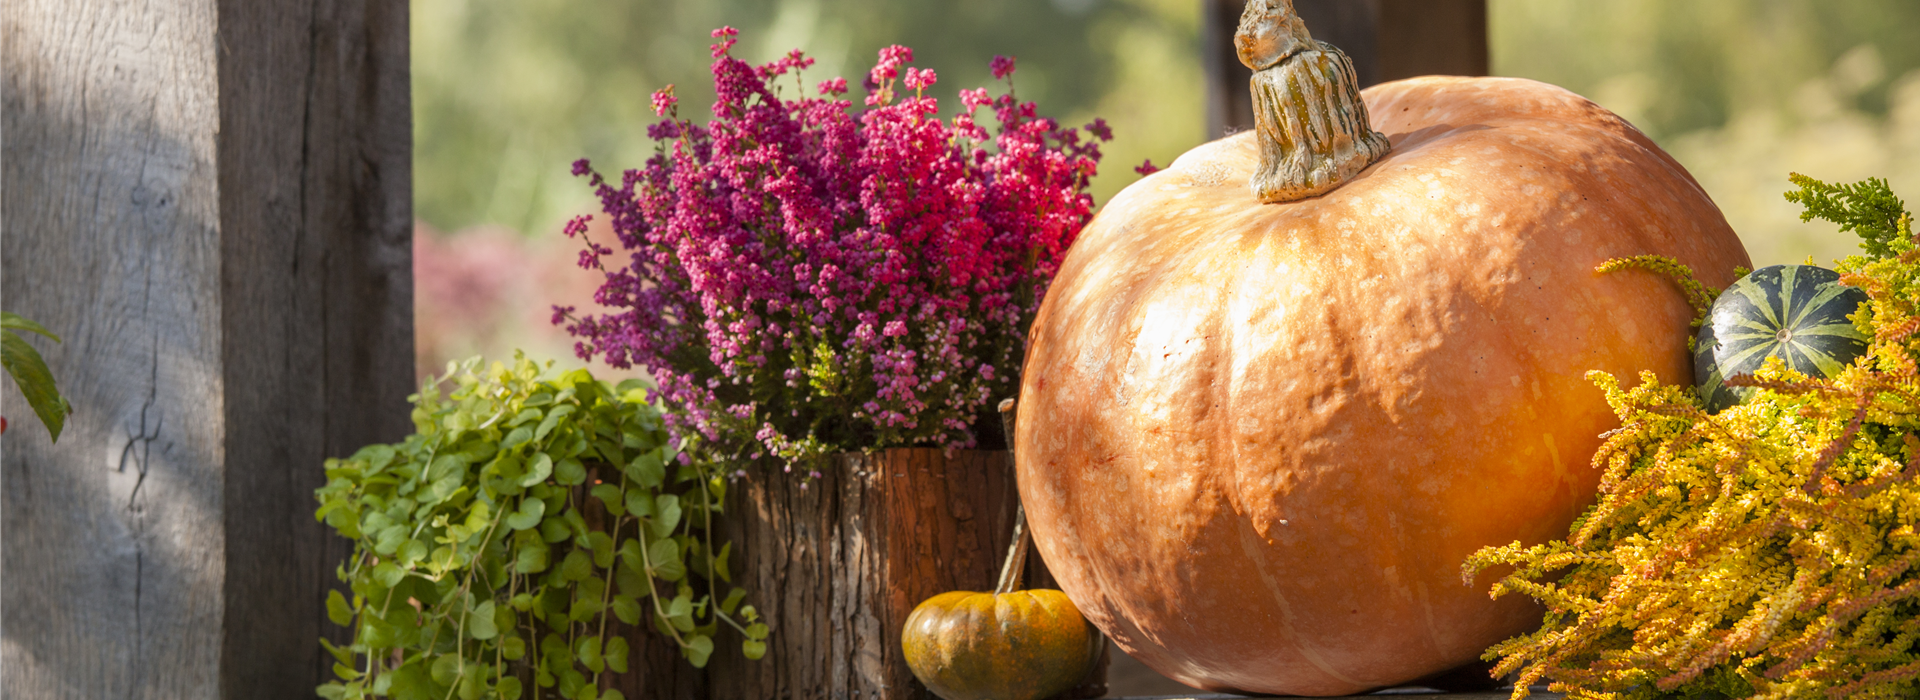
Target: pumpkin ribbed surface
(1022,645)
(1797,313)
(1256,442)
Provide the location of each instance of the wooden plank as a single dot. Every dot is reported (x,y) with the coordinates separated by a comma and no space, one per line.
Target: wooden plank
(1432,37)
(210,201)
(316,225)
(113,539)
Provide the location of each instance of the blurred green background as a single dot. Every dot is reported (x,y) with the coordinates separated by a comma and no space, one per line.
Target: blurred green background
(507,93)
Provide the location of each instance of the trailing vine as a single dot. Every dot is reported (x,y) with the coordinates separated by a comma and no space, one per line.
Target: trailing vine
(1769,550)
(492,547)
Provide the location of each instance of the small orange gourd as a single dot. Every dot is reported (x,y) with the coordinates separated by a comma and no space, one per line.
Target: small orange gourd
(1004,645)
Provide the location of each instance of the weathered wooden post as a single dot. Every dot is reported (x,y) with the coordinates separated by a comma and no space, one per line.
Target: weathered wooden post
(211,201)
(1387,40)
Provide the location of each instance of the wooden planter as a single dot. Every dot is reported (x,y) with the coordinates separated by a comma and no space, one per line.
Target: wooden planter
(835,567)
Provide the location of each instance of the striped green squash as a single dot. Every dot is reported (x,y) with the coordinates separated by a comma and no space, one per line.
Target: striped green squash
(1797,313)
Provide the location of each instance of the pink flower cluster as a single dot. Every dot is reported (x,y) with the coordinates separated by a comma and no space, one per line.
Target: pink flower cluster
(801,278)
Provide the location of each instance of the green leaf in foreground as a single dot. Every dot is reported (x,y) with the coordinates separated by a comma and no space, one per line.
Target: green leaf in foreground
(30,373)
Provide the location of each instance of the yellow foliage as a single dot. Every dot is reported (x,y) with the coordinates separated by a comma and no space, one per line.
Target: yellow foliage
(1768,550)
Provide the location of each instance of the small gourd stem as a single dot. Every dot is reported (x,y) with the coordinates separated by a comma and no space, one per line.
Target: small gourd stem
(1313,130)
(1012,571)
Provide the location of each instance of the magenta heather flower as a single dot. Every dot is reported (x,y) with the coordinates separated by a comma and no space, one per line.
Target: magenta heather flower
(1002,67)
(801,278)
(663,102)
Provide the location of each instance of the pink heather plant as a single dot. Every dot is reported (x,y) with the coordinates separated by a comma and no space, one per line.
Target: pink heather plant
(802,279)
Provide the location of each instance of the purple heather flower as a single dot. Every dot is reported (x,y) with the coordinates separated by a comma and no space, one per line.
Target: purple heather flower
(801,278)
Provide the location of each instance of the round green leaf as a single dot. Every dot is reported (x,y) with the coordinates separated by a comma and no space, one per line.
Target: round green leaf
(612,497)
(570,472)
(337,609)
(577,565)
(480,623)
(390,539)
(412,552)
(446,669)
(627,609)
(472,685)
(532,557)
(698,649)
(647,470)
(554,530)
(587,650)
(571,682)
(528,515)
(680,613)
(666,509)
(538,470)
(388,574)
(665,557)
(616,654)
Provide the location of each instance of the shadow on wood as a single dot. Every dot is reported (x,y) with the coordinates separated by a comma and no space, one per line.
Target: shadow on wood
(211,200)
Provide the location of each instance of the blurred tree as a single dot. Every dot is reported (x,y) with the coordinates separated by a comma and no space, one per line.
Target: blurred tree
(1674,67)
(1742,92)
(507,93)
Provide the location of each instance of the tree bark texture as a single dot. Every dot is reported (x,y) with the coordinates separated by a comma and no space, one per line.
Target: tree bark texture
(210,201)
(836,566)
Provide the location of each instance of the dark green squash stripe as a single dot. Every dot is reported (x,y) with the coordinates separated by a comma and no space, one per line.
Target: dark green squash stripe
(1797,313)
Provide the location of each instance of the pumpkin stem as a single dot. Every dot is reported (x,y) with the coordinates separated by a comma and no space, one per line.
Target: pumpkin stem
(1313,129)
(1016,564)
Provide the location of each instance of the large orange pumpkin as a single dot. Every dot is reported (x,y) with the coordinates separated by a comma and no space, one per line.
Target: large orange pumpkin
(1256,441)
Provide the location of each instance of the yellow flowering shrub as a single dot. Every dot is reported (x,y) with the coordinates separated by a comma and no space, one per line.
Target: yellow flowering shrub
(1769,550)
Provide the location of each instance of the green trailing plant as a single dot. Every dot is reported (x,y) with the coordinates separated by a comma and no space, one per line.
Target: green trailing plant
(30,373)
(1769,550)
(494,546)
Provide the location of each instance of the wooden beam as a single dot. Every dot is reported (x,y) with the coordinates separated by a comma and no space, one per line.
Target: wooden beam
(1387,40)
(211,201)
(1431,37)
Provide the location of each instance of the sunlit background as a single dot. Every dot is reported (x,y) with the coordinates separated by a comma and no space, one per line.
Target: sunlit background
(508,93)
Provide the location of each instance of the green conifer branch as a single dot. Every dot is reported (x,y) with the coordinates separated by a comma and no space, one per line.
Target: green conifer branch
(1867,208)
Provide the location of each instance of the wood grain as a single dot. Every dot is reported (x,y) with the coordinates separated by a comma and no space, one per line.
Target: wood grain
(210,202)
(836,566)
(316,288)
